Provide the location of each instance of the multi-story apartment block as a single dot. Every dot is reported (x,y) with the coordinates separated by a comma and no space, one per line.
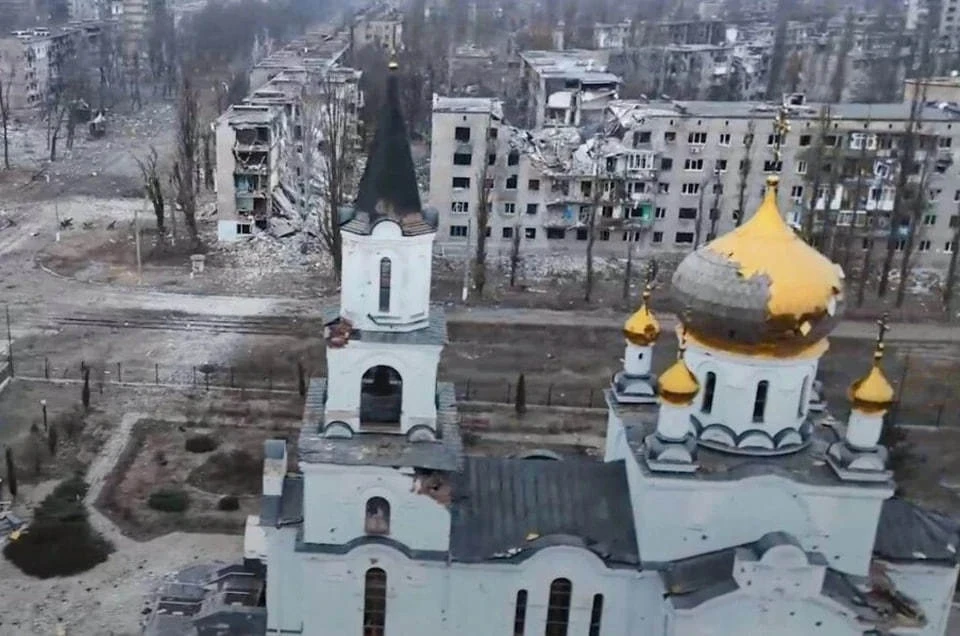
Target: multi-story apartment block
(36,59)
(566,88)
(380,28)
(539,187)
(261,166)
(674,174)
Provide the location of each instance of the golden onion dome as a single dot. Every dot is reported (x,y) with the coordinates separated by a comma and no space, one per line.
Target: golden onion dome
(760,288)
(642,328)
(873,393)
(677,385)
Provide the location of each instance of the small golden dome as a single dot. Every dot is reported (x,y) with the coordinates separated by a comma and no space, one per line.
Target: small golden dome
(873,393)
(642,328)
(677,385)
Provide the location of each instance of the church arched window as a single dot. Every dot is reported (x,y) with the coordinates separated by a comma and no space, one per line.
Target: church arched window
(374,602)
(596,614)
(707,404)
(385,267)
(558,607)
(378,516)
(520,614)
(804,397)
(760,401)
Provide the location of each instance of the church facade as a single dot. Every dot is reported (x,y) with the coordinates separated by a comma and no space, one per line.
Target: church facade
(722,504)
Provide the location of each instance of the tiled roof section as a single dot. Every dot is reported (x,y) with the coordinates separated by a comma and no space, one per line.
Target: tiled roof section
(388,188)
(285,509)
(907,532)
(382,449)
(505,508)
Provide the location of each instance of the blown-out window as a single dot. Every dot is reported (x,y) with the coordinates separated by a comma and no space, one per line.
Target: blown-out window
(374,602)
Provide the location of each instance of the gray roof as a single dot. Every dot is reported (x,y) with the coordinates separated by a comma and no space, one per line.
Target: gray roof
(435,333)
(274,448)
(907,532)
(509,508)
(382,449)
(285,509)
(236,621)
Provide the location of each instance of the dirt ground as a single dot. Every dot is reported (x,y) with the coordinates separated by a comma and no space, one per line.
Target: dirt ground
(157,459)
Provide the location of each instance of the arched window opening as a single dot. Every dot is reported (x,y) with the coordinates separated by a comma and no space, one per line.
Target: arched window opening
(385,284)
(520,613)
(707,404)
(760,401)
(558,607)
(804,397)
(374,602)
(381,397)
(596,614)
(378,516)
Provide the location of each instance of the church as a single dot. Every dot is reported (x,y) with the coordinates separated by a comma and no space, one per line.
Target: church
(721,506)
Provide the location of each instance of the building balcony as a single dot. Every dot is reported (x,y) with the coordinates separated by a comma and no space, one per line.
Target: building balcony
(260,169)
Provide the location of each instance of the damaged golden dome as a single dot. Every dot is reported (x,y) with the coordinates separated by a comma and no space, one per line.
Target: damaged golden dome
(642,328)
(677,385)
(872,393)
(760,288)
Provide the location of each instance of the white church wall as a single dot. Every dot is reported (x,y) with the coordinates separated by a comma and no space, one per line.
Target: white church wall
(410,265)
(416,597)
(702,516)
(284,583)
(739,613)
(737,378)
(931,586)
(426,597)
(615,440)
(416,364)
(335,499)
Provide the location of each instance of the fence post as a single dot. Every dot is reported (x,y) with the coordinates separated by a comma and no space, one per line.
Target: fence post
(119,373)
(939,414)
(506,400)
(550,394)
(46,368)
(231,376)
(156,372)
(466,397)
(590,399)
(194,376)
(270,379)
(206,381)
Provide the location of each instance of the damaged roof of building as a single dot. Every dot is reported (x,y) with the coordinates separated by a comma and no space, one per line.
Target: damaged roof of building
(509,508)
(907,532)
(482,105)
(751,110)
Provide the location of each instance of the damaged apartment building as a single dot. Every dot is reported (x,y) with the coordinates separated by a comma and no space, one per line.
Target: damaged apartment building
(261,178)
(565,88)
(666,176)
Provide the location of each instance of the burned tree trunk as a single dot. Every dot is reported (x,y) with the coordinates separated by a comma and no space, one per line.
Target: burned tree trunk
(151,186)
(185,166)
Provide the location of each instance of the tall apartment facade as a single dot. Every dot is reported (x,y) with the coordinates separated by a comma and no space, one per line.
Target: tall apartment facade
(695,167)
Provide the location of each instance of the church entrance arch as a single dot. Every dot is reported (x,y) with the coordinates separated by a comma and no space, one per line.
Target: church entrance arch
(381,397)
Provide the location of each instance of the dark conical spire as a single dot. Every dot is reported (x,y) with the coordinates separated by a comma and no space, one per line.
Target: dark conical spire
(388,188)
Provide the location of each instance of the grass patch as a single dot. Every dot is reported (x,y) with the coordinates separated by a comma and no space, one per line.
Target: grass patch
(169,500)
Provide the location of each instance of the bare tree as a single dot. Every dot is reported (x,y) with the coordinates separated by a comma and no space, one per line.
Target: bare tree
(592,222)
(515,254)
(920,201)
(907,161)
(151,186)
(951,281)
(335,132)
(483,216)
(746,164)
(6,80)
(185,165)
(815,159)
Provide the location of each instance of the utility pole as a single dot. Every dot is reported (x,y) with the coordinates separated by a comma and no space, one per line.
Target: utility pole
(466,263)
(9,341)
(136,237)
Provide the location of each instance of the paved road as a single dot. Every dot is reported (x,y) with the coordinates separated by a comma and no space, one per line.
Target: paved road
(36,298)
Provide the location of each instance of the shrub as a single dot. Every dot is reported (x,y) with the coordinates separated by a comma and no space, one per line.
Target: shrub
(60,540)
(228,503)
(201,444)
(169,500)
